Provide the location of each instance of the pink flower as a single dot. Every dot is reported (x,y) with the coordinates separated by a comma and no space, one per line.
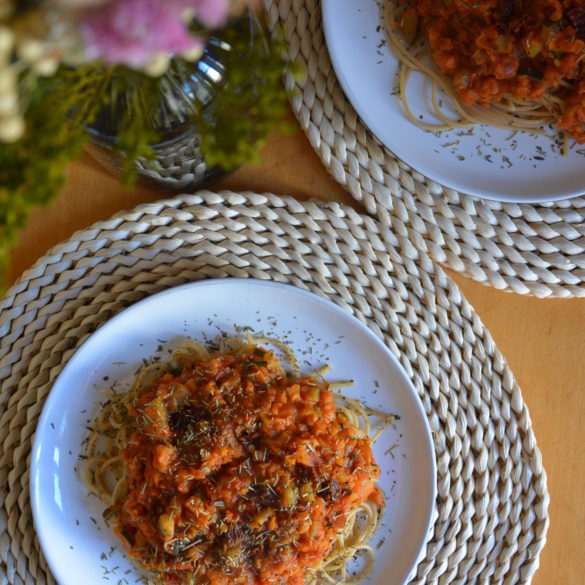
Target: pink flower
(134,32)
(210,12)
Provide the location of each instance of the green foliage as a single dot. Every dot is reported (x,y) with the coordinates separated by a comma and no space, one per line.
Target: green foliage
(252,101)
(32,171)
(135,134)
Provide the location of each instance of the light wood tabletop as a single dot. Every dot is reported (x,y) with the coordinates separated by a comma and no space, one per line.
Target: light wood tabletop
(542,340)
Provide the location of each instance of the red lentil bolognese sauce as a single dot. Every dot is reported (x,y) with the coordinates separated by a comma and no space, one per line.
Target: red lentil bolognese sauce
(231,472)
(505,51)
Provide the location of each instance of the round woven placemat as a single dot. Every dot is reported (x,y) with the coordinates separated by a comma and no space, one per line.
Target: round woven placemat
(491,509)
(529,249)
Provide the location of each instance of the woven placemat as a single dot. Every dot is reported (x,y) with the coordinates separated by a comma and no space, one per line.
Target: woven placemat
(491,509)
(529,249)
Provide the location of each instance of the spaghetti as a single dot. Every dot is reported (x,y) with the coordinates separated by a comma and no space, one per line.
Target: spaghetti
(219,468)
(513,65)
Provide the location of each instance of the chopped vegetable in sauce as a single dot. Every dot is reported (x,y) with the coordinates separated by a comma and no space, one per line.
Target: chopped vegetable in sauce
(495,49)
(238,474)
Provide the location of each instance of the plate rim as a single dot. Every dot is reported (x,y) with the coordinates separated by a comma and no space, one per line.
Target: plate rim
(51,397)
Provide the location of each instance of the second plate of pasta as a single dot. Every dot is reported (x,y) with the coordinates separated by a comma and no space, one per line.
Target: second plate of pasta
(481,160)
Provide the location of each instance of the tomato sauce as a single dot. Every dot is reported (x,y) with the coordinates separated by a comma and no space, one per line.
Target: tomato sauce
(239,474)
(519,48)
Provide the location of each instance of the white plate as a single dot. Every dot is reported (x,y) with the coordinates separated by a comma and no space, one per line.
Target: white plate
(488,163)
(77,544)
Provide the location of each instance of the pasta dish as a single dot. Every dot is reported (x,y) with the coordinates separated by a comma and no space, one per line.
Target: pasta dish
(220,468)
(506,63)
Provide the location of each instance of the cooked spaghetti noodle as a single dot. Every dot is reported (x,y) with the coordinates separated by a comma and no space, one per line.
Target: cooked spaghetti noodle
(508,64)
(218,468)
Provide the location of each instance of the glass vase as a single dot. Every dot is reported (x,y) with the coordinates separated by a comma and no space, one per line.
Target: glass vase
(189,92)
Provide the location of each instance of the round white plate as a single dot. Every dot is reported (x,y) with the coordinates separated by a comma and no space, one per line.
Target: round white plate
(488,163)
(77,544)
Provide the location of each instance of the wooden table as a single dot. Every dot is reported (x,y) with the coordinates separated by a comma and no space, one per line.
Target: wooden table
(543,340)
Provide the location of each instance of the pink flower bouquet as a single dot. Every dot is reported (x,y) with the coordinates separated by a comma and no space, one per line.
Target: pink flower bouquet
(139,77)
(143,33)
(140,34)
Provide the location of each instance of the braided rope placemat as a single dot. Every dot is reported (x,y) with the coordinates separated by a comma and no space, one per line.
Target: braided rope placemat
(530,249)
(491,509)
